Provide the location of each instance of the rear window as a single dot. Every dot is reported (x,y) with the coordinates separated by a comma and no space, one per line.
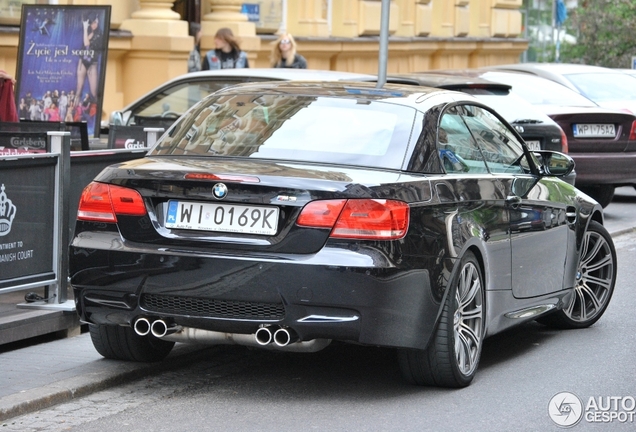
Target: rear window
(288,127)
(604,87)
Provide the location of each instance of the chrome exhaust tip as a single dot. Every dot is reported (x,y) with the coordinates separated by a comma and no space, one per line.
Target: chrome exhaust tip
(263,336)
(142,326)
(161,328)
(283,337)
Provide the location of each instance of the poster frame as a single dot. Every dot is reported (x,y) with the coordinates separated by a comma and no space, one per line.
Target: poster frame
(65,51)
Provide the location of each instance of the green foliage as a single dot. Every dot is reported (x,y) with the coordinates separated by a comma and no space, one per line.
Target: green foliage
(605,32)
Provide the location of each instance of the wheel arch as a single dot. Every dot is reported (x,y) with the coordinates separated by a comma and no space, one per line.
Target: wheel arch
(476,248)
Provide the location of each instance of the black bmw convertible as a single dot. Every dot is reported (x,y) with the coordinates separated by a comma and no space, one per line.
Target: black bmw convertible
(286,215)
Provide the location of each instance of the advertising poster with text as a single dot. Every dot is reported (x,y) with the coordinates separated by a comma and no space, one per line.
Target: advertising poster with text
(62,64)
(27,220)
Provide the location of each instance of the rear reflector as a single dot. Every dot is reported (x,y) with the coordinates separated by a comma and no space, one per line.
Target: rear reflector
(102,202)
(369,219)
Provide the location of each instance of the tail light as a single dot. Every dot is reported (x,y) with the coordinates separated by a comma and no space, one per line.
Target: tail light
(632,133)
(369,219)
(564,142)
(103,202)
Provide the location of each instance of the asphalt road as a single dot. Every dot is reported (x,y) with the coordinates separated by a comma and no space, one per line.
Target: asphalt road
(356,388)
(620,215)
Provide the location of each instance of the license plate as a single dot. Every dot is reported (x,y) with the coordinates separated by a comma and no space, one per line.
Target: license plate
(594,130)
(233,218)
(533,145)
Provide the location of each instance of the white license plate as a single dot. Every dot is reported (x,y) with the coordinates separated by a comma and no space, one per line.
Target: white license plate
(533,145)
(222,217)
(594,130)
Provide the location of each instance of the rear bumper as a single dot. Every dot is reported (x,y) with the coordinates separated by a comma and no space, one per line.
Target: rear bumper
(350,299)
(605,168)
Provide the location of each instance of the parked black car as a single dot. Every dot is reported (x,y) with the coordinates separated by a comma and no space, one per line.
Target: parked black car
(287,215)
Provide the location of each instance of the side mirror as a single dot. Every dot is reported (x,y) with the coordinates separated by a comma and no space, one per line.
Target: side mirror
(119,118)
(116,118)
(555,163)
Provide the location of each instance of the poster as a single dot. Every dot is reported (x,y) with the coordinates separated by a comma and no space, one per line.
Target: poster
(62,64)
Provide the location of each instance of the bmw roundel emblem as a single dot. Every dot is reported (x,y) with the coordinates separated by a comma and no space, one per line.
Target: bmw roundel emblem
(219,190)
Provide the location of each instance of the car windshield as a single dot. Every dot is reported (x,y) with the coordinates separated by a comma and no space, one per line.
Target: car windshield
(540,91)
(289,127)
(605,87)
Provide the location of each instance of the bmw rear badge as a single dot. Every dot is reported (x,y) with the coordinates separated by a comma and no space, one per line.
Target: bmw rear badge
(219,190)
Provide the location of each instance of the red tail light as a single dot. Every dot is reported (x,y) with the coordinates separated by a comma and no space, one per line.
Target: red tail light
(358,218)
(102,202)
(632,133)
(564,143)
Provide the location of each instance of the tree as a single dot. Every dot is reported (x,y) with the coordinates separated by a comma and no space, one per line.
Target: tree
(604,31)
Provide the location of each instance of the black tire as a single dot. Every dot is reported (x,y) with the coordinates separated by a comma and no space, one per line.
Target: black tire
(601,193)
(595,280)
(122,343)
(452,357)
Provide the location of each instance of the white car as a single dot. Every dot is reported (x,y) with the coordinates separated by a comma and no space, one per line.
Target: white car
(163,105)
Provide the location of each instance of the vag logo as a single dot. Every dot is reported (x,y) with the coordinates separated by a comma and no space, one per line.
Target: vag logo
(7,212)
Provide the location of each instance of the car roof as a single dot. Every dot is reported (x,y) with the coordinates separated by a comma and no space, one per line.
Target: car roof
(558,68)
(447,81)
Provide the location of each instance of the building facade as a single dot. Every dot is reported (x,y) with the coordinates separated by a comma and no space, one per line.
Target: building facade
(149,41)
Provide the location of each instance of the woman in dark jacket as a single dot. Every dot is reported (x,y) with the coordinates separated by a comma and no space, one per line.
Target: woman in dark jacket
(284,54)
(227,54)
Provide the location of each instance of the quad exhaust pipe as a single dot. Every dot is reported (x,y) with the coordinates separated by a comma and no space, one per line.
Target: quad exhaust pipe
(280,336)
(158,327)
(274,337)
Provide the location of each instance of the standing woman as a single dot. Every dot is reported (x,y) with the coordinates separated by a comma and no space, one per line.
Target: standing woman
(227,54)
(284,54)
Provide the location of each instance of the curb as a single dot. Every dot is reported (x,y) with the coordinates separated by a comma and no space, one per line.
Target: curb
(622,231)
(65,390)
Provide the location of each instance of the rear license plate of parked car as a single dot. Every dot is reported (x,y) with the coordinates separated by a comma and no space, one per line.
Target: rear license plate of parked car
(533,145)
(222,217)
(594,130)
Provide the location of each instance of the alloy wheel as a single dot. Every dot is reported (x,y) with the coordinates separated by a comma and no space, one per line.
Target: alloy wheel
(468,319)
(594,279)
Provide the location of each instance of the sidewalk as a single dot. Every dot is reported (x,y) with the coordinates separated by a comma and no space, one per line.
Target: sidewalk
(45,374)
